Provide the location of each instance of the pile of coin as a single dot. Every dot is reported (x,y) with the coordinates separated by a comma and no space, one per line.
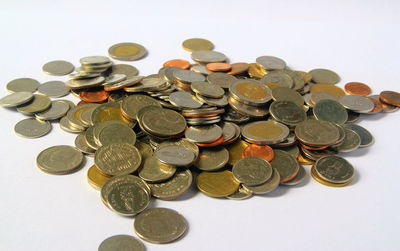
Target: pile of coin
(236,129)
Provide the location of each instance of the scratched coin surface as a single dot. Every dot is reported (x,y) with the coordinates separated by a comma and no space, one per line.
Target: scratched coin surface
(252,171)
(121,242)
(334,169)
(171,189)
(59,159)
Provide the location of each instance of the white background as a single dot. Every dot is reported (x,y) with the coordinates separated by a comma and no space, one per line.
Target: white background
(357,39)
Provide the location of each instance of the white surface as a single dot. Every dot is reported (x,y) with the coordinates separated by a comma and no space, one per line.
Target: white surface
(357,39)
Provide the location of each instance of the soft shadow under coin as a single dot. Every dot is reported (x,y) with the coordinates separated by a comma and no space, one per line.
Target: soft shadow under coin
(279,191)
(356,153)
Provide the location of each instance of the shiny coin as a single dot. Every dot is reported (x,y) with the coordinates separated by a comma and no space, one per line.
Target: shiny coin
(84,83)
(207,89)
(109,111)
(37,104)
(350,143)
(82,145)
(187,76)
(271,63)
(181,142)
(256,71)
(32,128)
(163,122)
(235,151)
(252,171)
(58,68)
(358,104)
(94,60)
(65,125)
(357,88)
(317,132)
(248,110)
(324,76)
(233,116)
(334,169)
(267,186)
(203,134)
(174,155)
(327,88)
(317,96)
(212,159)
(116,133)
(197,44)
(59,160)
(23,85)
(250,92)
(128,70)
(160,225)
(96,178)
(57,110)
(366,137)
(184,100)
(174,187)
(179,63)
(322,181)
(117,159)
(330,110)
(86,115)
(132,104)
(217,184)
(121,242)
(218,67)
(265,132)
(241,194)
(301,174)
(277,77)
(16,99)
(93,95)
(221,79)
(207,56)
(238,68)
(288,112)
(53,89)
(261,151)
(74,115)
(154,170)
(287,94)
(286,165)
(390,97)
(127,51)
(230,132)
(147,84)
(385,107)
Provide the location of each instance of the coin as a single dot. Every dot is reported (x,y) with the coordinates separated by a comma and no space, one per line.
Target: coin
(212,159)
(241,194)
(133,103)
(320,180)
(94,95)
(179,63)
(94,60)
(250,92)
(324,76)
(330,110)
(115,132)
(59,160)
(334,169)
(117,159)
(187,76)
(317,96)
(181,142)
(287,94)
(271,63)
(132,180)
(58,68)
(301,174)
(358,104)
(68,127)
(390,97)
(96,178)
(377,105)
(84,83)
(267,186)
(121,242)
(288,112)
(160,225)
(32,128)
(74,115)
(218,66)
(248,110)
(220,102)
(199,69)
(108,112)
(385,107)
(39,103)
(174,155)
(174,187)
(256,71)
(217,184)
(222,79)
(203,134)
(197,44)
(366,137)
(128,70)
(154,170)
(82,145)
(54,89)
(350,143)
(327,88)
(23,85)
(163,122)
(277,77)
(252,171)
(147,84)
(184,100)
(261,151)
(207,89)
(286,165)
(127,51)
(265,132)
(317,132)
(238,68)
(57,110)
(357,88)
(16,99)
(207,56)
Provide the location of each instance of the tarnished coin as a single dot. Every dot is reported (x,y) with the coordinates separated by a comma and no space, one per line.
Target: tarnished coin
(160,225)
(32,128)
(207,56)
(203,134)
(154,170)
(248,110)
(327,88)
(330,110)
(235,151)
(116,132)
(57,110)
(241,194)
(357,88)
(334,169)
(59,160)
(121,242)
(207,89)
(126,69)
(16,99)
(271,63)
(117,159)
(385,107)
(252,171)
(317,132)
(268,186)
(187,76)
(212,159)
(217,184)
(127,51)
(287,94)
(53,89)
(163,122)
(265,132)
(39,103)
(324,76)
(174,155)
(184,100)
(197,44)
(366,137)
(358,104)
(277,77)
(301,174)
(390,97)
(84,83)
(250,92)
(94,60)
(58,68)
(286,165)
(288,112)
(131,105)
(322,181)
(23,85)
(96,178)
(82,145)
(221,79)
(350,143)
(174,187)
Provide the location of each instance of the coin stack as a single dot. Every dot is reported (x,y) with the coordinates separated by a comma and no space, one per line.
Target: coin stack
(236,129)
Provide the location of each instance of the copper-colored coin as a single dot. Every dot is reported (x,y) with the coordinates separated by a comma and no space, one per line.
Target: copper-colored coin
(179,63)
(217,142)
(94,95)
(390,97)
(357,88)
(238,68)
(377,105)
(218,67)
(254,150)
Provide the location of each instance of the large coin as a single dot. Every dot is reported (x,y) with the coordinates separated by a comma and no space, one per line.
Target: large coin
(127,51)
(324,76)
(212,159)
(32,128)
(217,184)
(58,68)
(350,143)
(356,103)
(222,79)
(184,100)
(271,63)
(252,171)
(96,178)
(23,85)
(53,89)
(121,242)
(16,99)
(59,160)
(265,132)
(266,187)
(174,187)
(39,103)
(334,169)
(286,165)
(207,56)
(203,134)
(330,110)
(366,137)
(116,133)
(154,170)
(57,110)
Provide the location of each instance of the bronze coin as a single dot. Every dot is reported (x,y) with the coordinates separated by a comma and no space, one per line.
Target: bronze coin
(390,97)
(179,63)
(238,68)
(357,88)
(262,151)
(93,95)
(218,67)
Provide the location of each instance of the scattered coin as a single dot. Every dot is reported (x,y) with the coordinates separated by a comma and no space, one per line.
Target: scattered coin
(197,44)
(58,68)
(265,132)
(350,143)
(324,76)
(365,136)
(288,113)
(207,56)
(32,128)
(59,160)
(39,103)
(96,178)
(357,88)
(286,165)
(212,159)
(23,85)
(334,169)
(217,184)
(390,97)
(175,155)
(174,187)
(127,51)
(266,187)
(57,110)
(271,63)
(121,242)
(53,89)
(252,171)
(16,99)
(358,104)
(330,110)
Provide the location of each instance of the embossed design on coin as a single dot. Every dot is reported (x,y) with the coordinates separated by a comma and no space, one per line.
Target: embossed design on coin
(252,171)
(59,159)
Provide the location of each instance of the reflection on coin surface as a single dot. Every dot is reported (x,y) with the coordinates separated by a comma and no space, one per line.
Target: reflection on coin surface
(127,51)
(217,184)
(59,159)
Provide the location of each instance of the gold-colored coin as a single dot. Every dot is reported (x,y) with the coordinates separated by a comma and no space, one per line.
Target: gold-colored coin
(306,76)
(235,151)
(328,88)
(304,161)
(110,111)
(326,183)
(217,184)
(197,44)
(127,51)
(96,178)
(256,71)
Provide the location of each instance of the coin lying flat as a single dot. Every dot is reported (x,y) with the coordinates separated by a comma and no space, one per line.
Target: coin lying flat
(115,132)
(327,88)
(390,97)
(197,44)
(53,89)
(317,132)
(286,165)
(287,94)
(221,79)
(121,242)
(23,85)
(241,194)
(330,110)
(217,184)
(271,63)
(261,151)
(184,100)
(212,159)
(366,137)
(154,170)
(59,160)
(250,92)
(127,51)
(385,107)
(39,103)
(163,122)
(277,77)
(58,68)
(16,99)
(266,187)
(203,134)
(334,169)
(288,113)
(32,128)
(207,89)
(357,88)
(252,171)
(57,110)
(128,70)
(160,225)
(301,174)
(248,110)
(358,104)
(207,56)
(174,187)
(350,143)
(322,181)
(132,104)
(324,76)
(265,132)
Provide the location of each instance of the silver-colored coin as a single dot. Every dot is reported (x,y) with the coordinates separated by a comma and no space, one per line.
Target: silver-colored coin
(181,142)
(366,137)
(82,145)
(174,187)
(16,99)
(84,83)
(184,100)
(228,130)
(250,92)
(207,89)
(206,56)
(220,102)
(252,171)
(200,69)
(154,170)
(330,110)
(93,67)
(212,159)
(128,70)
(324,76)
(187,76)
(114,79)
(287,112)
(58,68)
(265,132)
(69,102)
(23,85)
(266,187)
(174,155)
(318,96)
(83,75)
(298,179)
(32,128)
(233,116)
(115,132)
(334,169)
(148,84)
(287,94)
(65,125)
(222,79)
(271,63)
(203,134)
(356,103)
(39,103)
(277,77)
(53,89)
(57,110)
(127,51)
(350,143)
(94,60)
(59,160)
(298,80)
(121,243)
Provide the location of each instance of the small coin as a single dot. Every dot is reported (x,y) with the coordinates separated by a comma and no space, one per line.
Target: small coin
(207,89)
(327,88)
(23,85)
(265,132)
(218,67)
(277,77)
(366,137)
(377,105)
(207,56)
(390,97)
(317,132)
(39,103)
(241,194)
(53,89)
(59,160)
(212,159)
(350,143)
(250,92)
(358,104)
(128,70)
(160,225)
(217,184)
(174,187)
(114,79)
(357,88)
(179,63)
(96,178)
(271,63)
(121,242)
(117,159)
(286,165)
(385,107)
(203,134)
(16,99)
(82,145)
(32,128)
(74,115)
(184,100)
(238,68)
(93,95)
(221,79)
(57,110)
(153,83)
(267,186)
(324,76)
(330,110)
(94,60)
(288,112)
(261,151)
(334,169)
(174,155)
(181,142)
(287,94)
(301,174)
(127,51)
(248,110)
(58,68)
(84,83)
(252,171)
(154,170)
(197,44)
(163,122)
